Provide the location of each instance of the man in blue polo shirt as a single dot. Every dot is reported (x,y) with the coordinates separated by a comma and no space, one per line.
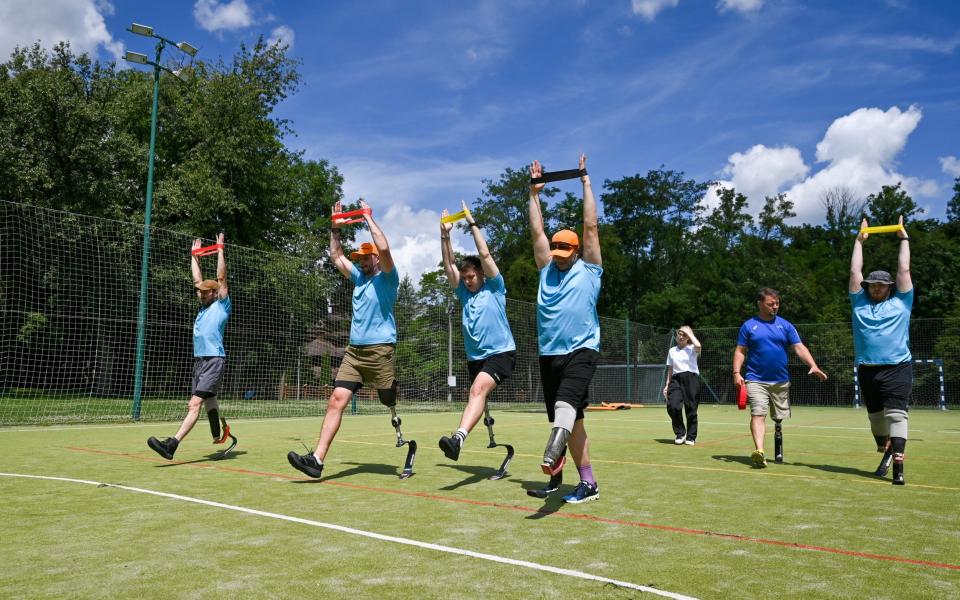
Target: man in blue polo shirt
(568,331)
(369,357)
(881,341)
(209,355)
(763,342)
(491,351)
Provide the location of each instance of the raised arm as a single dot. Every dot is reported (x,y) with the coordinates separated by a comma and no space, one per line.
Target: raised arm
(340,261)
(904,281)
(541,245)
(486,259)
(195,271)
(804,354)
(591,230)
(222,291)
(856,260)
(693,339)
(379,240)
(446,249)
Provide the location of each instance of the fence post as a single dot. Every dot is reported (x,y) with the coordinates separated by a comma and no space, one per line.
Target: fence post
(629,368)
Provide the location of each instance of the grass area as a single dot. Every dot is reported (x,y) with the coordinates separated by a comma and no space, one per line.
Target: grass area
(697,521)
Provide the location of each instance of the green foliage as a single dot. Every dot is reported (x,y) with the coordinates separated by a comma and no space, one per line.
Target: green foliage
(953,207)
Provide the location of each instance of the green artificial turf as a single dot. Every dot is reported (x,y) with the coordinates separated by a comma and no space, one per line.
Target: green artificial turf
(697,521)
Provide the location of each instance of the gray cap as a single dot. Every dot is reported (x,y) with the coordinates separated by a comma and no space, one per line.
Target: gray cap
(877,277)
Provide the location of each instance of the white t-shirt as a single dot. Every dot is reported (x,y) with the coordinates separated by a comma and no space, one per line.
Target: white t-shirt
(683,360)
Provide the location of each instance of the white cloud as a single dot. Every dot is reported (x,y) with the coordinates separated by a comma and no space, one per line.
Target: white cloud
(951,165)
(870,134)
(860,151)
(760,171)
(213,16)
(23,22)
(282,34)
(744,7)
(648,9)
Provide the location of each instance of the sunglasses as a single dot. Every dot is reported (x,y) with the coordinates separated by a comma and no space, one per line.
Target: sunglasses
(562,246)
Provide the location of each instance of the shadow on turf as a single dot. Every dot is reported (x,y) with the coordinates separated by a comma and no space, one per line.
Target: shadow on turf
(838,469)
(670,441)
(734,458)
(477,474)
(376,468)
(214,457)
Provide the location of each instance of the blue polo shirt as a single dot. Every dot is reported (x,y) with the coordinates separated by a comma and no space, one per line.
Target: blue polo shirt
(567,308)
(486,330)
(881,330)
(767,343)
(208,328)
(373,300)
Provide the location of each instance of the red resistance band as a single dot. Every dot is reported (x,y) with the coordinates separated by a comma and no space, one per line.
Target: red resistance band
(207,250)
(343,218)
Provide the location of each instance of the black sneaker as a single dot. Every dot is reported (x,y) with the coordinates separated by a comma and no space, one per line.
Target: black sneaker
(884,464)
(306,464)
(584,492)
(898,472)
(451,446)
(164,448)
(551,487)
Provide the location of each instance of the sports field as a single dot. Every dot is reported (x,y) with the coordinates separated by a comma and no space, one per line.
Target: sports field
(672,520)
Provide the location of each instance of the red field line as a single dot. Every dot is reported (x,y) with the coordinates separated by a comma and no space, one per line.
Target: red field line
(579,516)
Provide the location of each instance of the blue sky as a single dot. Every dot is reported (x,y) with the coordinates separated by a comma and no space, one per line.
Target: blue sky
(417,102)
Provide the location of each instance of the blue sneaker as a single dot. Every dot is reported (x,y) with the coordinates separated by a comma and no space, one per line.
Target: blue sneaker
(584,492)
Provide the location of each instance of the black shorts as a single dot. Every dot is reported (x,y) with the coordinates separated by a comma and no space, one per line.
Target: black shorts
(886,386)
(566,378)
(498,366)
(207,373)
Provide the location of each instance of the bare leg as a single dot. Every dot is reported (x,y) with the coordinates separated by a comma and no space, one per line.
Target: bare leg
(331,421)
(579,444)
(481,388)
(193,413)
(758,427)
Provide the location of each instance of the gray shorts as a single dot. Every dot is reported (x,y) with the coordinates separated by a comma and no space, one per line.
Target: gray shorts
(764,395)
(207,373)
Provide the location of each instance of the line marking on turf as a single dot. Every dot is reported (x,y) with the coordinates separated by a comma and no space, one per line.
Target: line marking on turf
(526,509)
(373,535)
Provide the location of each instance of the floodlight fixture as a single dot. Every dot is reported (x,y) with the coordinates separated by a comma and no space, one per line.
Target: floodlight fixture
(136,57)
(187,48)
(139,29)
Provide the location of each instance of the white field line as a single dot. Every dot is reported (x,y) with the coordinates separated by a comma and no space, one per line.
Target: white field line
(376,536)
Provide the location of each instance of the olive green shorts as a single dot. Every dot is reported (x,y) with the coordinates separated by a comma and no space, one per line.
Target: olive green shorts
(371,365)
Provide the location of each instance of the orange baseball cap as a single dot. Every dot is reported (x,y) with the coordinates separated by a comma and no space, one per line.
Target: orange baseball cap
(564,243)
(365,248)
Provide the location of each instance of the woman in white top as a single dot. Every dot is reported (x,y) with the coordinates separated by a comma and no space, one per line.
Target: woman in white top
(683,385)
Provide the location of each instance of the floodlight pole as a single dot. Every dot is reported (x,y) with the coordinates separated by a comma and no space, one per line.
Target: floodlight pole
(188,49)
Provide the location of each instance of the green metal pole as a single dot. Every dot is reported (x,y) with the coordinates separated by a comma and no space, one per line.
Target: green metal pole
(145,259)
(629,380)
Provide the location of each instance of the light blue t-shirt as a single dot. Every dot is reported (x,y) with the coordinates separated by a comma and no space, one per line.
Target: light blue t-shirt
(208,328)
(767,343)
(486,330)
(373,300)
(567,308)
(881,331)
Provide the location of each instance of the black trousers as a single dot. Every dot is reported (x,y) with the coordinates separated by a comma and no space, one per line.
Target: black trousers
(682,394)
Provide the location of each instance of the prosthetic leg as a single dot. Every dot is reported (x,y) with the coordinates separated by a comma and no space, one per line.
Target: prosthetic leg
(777,442)
(388,398)
(502,471)
(554,455)
(886,460)
(217,425)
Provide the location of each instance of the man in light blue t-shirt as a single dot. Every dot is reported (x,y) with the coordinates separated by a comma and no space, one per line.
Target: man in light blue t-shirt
(568,329)
(209,355)
(369,357)
(881,341)
(491,351)
(762,343)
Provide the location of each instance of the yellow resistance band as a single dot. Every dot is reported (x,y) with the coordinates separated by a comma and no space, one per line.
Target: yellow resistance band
(463,214)
(882,229)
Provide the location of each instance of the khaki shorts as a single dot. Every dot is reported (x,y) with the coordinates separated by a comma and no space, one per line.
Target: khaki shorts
(371,365)
(763,395)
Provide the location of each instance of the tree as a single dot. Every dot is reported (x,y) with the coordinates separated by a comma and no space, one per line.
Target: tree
(886,207)
(953,207)
(776,210)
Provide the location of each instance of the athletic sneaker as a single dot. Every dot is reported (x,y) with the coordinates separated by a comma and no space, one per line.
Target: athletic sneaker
(680,440)
(306,464)
(451,446)
(550,488)
(884,464)
(898,472)
(584,492)
(690,442)
(164,448)
(759,460)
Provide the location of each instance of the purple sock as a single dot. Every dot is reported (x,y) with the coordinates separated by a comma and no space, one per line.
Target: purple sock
(586,474)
